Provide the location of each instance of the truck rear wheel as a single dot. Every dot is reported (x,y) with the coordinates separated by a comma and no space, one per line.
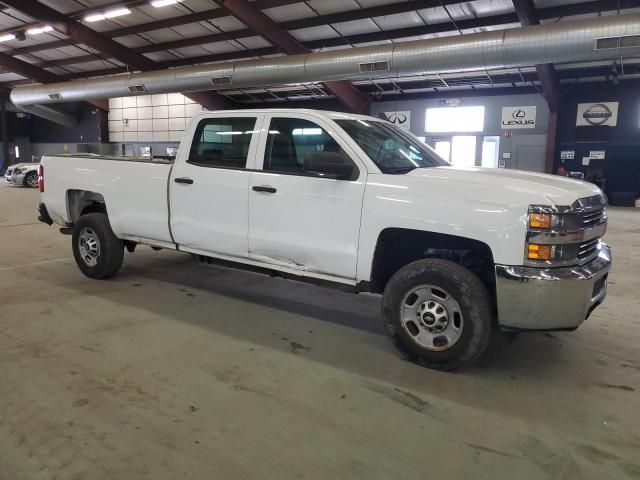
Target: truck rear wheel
(438,314)
(98,252)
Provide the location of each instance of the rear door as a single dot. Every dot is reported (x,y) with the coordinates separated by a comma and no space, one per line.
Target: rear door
(210,183)
(299,220)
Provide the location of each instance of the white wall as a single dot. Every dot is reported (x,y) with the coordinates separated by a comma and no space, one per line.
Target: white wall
(150,118)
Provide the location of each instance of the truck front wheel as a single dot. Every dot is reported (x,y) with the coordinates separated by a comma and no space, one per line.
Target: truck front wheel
(437,313)
(98,252)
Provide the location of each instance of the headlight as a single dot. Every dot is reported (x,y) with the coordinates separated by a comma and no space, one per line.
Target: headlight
(17,171)
(539,252)
(541,220)
(565,235)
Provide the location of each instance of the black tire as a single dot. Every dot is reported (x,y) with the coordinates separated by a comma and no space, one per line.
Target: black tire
(461,285)
(110,250)
(30,180)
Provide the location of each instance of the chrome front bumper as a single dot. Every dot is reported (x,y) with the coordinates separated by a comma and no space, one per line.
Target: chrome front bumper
(532,298)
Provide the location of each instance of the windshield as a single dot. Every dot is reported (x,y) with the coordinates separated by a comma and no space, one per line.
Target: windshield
(391,149)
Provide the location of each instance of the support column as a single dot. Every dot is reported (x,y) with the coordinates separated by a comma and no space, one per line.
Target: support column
(552,130)
(5,136)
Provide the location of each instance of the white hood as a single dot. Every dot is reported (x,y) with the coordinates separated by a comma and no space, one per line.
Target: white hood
(538,187)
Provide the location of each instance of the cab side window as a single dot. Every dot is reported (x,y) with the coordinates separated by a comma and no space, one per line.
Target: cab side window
(222,142)
(290,140)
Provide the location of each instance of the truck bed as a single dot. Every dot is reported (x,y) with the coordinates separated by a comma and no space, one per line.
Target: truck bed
(135,190)
(117,158)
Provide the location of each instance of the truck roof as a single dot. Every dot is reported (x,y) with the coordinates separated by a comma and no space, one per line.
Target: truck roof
(323,113)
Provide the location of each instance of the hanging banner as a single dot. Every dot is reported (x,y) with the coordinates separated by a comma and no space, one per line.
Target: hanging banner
(400,118)
(597,114)
(518,117)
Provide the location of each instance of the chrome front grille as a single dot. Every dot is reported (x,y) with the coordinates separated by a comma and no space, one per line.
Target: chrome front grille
(593,217)
(588,250)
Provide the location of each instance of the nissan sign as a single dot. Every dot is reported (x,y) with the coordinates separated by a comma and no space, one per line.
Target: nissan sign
(597,114)
(518,117)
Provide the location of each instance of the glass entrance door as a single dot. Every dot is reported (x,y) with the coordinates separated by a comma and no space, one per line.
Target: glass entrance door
(490,151)
(460,150)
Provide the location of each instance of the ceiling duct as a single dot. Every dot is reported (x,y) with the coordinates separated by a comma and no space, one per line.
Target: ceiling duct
(566,41)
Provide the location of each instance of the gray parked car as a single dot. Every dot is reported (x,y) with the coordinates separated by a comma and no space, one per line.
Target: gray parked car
(25,174)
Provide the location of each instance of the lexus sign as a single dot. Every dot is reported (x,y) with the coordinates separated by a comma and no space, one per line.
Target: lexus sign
(518,117)
(597,114)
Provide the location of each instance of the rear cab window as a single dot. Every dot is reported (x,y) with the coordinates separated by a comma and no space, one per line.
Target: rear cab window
(222,142)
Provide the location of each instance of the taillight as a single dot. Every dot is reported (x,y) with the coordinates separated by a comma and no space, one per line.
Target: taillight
(41,177)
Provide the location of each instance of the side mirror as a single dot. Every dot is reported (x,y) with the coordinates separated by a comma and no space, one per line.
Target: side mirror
(329,164)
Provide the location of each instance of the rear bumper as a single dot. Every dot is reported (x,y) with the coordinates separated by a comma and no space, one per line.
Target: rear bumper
(551,299)
(43,214)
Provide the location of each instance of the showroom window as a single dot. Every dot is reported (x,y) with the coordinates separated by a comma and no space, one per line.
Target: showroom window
(290,140)
(454,119)
(222,142)
(457,148)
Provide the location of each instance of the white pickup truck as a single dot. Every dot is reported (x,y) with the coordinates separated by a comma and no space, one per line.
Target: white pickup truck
(350,201)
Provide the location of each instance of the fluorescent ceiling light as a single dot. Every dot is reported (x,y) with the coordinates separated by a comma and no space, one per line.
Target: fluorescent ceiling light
(38,30)
(7,37)
(118,12)
(163,3)
(94,18)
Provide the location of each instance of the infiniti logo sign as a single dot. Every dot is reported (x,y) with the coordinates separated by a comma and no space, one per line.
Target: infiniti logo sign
(397,118)
(400,118)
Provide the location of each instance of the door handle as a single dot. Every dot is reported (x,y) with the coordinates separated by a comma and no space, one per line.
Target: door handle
(186,180)
(265,189)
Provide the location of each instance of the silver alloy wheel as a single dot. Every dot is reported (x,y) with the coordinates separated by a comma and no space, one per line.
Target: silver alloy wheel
(89,246)
(32,180)
(432,317)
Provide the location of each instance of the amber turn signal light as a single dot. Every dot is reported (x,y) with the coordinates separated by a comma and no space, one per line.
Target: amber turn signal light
(540,220)
(538,252)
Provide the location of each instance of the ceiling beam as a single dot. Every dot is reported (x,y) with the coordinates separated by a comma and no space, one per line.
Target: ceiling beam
(592,6)
(352,15)
(310,45)
(175,21)
(527,15)
(544,13)
(83,13)
(500,19)
(262,25)
(79,33)
(39,75)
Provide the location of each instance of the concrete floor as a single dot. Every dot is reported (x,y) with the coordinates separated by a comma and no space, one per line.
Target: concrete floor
(175,369)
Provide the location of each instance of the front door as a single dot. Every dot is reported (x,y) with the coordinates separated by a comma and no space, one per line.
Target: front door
(210,186)
(297,219)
